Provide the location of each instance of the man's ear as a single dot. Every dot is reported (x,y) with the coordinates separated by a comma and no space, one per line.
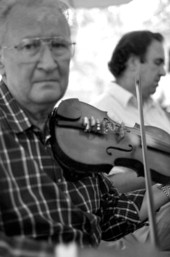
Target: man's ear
(133,63)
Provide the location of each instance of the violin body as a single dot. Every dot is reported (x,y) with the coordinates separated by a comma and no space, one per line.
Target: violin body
(103,147)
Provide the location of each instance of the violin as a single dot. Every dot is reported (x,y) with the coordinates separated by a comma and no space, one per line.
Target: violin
(103,145)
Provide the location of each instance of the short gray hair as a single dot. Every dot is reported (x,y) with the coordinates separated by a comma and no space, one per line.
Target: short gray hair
(7,5)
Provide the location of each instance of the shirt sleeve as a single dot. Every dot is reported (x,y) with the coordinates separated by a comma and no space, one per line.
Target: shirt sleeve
(119,212)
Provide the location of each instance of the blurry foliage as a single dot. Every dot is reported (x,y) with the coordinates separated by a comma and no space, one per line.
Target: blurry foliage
(96,34)
(160,20)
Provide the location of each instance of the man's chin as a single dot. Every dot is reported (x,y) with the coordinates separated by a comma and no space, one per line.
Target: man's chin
(155,87)
(47,98)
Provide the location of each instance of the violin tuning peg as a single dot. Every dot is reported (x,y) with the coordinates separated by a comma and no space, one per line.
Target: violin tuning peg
(92,121)
(86,124)
(98,125)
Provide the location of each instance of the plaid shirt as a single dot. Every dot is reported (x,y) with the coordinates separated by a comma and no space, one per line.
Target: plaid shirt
(22,247)
(36,199)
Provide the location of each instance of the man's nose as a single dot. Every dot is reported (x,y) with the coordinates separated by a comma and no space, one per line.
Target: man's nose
(47,60)
(162,71)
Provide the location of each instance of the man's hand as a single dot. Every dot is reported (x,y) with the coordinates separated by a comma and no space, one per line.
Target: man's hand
(163,226)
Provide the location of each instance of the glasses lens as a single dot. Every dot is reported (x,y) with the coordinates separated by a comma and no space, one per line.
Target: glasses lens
(60,47)
(29,47)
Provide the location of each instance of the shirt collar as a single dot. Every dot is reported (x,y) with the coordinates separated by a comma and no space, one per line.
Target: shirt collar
(126,98)
(16,117)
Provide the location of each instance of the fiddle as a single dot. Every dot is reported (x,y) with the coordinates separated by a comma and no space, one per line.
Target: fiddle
(103,146)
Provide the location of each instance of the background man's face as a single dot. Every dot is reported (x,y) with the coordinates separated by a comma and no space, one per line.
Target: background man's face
(153,68)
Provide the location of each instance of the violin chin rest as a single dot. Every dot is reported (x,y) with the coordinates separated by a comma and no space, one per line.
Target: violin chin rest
(69,109)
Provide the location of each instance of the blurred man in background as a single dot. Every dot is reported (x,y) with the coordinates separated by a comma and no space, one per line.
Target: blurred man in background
(138,56)
(138,53)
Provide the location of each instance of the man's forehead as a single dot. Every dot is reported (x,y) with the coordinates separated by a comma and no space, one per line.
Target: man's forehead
(49,14)
(32,19)
(38,12)
(22,15)
(156,48)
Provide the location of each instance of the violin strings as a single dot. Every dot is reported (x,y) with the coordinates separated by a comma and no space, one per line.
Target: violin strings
(153,141)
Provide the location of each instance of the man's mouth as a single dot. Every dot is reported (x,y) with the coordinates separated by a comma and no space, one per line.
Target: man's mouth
(45,80)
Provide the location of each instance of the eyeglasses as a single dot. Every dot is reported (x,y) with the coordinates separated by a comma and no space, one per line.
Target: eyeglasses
(29,49)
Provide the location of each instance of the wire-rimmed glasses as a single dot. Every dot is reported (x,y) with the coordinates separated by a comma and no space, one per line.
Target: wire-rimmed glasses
(29,49)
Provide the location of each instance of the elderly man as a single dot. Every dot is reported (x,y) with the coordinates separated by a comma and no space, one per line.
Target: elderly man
(37,200)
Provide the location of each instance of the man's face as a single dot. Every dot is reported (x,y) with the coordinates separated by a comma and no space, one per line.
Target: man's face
(41,82)
(152,69)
